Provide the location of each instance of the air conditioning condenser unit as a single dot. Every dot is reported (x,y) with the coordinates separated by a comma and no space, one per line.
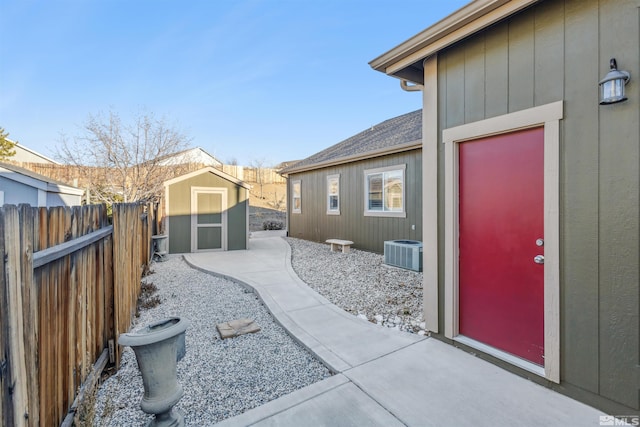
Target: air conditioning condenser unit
(404,254)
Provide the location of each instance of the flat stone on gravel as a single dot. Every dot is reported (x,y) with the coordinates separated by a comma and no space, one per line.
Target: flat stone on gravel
(235,328)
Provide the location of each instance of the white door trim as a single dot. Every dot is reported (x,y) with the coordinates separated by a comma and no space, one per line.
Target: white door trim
(194,217)
(549,116)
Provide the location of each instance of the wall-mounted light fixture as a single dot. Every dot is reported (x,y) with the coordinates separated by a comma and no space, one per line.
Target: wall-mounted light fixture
(612,85)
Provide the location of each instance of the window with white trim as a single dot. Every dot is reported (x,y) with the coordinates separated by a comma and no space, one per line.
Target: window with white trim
(384,191)
(296,196)
(333,195)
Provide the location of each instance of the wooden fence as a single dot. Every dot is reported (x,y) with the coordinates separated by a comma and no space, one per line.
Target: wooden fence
(83,176)
(70,283)
(262,175)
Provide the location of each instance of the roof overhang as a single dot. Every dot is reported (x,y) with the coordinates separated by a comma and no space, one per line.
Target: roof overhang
(41,182)
(405,61)
(64,189)
(208,169)
(408,146)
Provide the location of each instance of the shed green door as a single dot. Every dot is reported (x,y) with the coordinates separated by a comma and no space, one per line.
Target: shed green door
(208,219)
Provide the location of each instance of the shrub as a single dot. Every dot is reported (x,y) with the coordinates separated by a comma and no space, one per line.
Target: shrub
(272,225)
(147,298)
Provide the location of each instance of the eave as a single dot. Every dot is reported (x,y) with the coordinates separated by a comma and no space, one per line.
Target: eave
(400,148)
(405,60)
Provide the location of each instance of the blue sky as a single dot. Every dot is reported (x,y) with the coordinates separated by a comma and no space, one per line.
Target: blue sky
(268,80)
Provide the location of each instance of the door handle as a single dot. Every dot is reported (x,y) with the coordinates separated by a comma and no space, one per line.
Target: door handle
(539,259)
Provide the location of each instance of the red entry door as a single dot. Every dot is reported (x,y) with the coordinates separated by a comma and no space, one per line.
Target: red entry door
(501,287)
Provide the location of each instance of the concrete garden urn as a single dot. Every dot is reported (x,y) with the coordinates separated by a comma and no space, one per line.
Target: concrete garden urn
(158,347)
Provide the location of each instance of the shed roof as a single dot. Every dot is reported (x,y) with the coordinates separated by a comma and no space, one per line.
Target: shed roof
(399,134)
(208,169)
(190,155)
(28,177)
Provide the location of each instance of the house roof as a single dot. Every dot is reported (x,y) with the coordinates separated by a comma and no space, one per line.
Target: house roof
(399,134)
(190,155)
(25,176)
(405,60)
(20,149)
(208,169)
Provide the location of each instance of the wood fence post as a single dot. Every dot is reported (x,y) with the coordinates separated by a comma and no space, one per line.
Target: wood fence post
(30,311)
(118,278)
(17,368)
(6,408)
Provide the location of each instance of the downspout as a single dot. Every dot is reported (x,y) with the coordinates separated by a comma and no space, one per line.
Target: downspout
(404,84)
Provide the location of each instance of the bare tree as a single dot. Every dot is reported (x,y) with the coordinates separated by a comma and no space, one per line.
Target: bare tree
(125,162)
(260,166)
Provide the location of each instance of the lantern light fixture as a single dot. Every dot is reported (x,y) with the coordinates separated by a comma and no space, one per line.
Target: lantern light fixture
(612,85)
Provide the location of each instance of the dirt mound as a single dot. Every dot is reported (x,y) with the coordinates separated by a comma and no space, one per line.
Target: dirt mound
(270,196)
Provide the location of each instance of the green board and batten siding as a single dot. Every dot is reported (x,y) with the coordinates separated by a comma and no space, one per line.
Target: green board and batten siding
(367,232)
(559,50)
(179,211)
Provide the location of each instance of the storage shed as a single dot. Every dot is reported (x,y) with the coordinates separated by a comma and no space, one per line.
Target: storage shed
(19,185)
(206,210)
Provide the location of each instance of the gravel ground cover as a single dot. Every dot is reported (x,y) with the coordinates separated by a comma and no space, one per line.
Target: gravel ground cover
(359,282)
(221,378)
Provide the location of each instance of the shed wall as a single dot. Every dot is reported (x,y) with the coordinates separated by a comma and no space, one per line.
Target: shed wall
(559,50)
(179,212)
(16,192)
(63,199)
(367,233)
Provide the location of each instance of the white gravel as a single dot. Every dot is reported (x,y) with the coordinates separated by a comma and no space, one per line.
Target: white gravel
(359,282)
(224,378)
(221,378)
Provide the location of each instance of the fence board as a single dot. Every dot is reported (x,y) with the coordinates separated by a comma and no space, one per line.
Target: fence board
(30,312)
(6,407)
(17,373)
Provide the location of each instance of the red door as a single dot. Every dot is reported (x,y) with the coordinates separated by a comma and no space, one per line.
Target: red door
(501,287)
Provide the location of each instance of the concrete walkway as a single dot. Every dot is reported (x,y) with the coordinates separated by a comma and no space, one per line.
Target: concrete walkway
(383,377)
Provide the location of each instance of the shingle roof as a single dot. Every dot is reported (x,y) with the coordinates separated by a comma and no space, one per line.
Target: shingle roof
(398,131)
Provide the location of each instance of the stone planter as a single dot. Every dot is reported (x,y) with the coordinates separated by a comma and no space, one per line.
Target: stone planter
(158,347)
(160,246)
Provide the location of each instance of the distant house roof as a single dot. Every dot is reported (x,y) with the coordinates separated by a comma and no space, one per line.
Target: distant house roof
(285,164)
(191,155)
(27,155)
(399,134)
